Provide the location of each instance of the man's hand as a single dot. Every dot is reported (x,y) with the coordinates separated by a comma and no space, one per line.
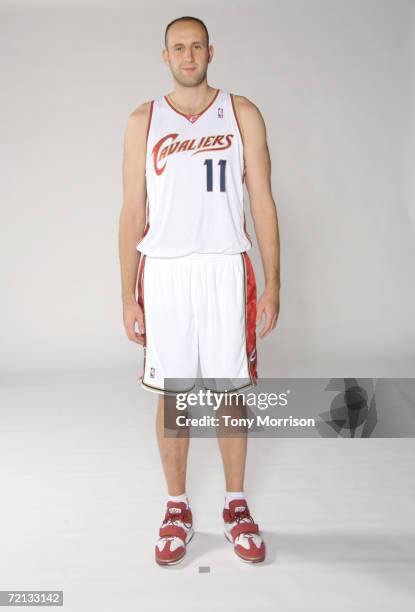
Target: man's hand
(268,304)
(132,314)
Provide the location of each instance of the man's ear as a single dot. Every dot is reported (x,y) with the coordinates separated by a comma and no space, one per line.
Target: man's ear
(211,53)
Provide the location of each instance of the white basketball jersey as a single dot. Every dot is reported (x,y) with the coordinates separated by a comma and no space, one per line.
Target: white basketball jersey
(195,176)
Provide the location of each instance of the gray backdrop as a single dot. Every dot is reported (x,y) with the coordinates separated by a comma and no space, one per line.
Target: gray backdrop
(79,465)
(335,83)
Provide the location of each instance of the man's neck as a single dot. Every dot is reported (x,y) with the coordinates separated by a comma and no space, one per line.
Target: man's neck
(191,100)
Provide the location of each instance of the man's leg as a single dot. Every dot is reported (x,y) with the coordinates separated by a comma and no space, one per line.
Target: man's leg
(173,454)
(171,352)
(227,344)
(177,527)
(233,447)
(240,527)
(233,451)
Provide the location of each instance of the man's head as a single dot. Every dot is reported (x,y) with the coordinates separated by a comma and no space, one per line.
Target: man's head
(187,51)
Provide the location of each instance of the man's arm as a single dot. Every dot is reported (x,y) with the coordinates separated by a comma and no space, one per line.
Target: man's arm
(262,205)
(133,216)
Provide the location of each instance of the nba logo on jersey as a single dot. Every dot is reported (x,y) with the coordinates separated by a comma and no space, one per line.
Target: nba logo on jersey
(220,113)
(152,372)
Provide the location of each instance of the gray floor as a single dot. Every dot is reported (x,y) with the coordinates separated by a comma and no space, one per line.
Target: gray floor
(83,495)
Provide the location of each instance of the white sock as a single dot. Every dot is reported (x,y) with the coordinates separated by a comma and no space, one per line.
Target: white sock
(179,498)
(230,495)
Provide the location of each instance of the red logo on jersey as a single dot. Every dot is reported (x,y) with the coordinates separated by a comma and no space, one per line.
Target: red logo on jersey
(168,145)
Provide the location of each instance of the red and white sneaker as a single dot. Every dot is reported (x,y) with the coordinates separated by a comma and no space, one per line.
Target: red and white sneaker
(175,532)
(243,532)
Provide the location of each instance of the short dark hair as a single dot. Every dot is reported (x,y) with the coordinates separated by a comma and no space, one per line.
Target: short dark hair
(186,18)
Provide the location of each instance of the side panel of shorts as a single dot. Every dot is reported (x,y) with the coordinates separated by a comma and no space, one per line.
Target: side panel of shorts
(250,317)
(140,301)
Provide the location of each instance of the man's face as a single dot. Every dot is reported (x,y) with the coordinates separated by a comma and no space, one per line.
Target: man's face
(187,54)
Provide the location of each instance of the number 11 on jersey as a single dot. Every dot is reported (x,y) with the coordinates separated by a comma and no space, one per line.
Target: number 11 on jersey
(209,174)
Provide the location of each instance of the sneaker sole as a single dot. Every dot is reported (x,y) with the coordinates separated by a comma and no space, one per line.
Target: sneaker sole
(167,563)
(240,556)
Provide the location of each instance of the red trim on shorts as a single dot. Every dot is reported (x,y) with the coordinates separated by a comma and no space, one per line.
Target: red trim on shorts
(250,317)
(140,301)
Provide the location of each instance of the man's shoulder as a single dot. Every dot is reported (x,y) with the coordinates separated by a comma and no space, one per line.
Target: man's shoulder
(141,112)
(245,108)
(243,103)
(138,120)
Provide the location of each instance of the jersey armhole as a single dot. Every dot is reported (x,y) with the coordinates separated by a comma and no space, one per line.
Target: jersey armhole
(150,115)
(236,116)
(239,130)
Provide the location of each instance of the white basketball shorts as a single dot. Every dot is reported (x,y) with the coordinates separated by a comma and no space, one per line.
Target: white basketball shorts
(198,307)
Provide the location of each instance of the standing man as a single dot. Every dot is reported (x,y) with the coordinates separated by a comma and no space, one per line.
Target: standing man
(190,153)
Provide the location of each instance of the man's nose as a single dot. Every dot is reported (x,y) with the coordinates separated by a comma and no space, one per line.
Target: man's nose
(188,54)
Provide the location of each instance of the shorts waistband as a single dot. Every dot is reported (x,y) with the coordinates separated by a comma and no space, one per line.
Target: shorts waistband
(200,257)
